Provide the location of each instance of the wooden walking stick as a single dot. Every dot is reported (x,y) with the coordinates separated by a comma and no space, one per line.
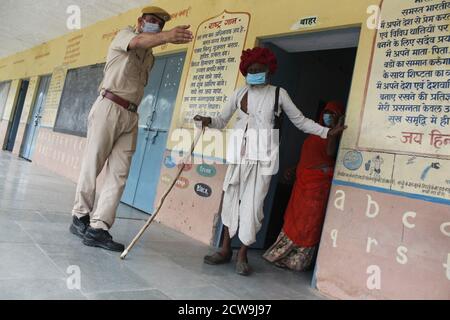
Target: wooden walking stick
(161,201)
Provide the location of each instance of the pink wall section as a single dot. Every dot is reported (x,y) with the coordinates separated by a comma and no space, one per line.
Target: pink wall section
(347,267)
(60,153)
(186,211)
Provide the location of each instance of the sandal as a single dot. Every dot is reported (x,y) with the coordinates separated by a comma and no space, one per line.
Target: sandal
(217,258)
(243,269)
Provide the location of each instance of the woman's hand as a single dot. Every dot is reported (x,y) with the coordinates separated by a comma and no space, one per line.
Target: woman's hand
(206,121)
(338,129)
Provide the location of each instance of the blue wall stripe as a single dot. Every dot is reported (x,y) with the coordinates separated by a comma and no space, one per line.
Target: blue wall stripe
(394,192)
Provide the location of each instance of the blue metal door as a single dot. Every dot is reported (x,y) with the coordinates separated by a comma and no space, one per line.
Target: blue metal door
(32,129)
(155,114)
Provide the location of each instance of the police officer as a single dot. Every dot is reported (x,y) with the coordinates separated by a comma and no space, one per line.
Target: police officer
(113,124)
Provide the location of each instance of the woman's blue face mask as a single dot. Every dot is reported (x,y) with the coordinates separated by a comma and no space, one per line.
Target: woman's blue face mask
(328,119)
(257,78)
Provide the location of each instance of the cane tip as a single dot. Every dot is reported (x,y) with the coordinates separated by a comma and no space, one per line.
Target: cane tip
(124,254)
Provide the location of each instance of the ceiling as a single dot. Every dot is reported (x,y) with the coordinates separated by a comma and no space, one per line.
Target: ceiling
(27,23)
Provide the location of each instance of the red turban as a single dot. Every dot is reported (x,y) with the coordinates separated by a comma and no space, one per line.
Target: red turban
(258,55)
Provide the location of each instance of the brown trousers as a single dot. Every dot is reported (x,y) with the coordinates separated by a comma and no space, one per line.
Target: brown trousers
(111,140)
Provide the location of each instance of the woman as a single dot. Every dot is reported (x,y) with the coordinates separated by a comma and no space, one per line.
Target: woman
(297,243)
(247,180)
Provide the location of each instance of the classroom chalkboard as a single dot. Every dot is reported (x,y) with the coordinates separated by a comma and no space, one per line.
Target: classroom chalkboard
(79,94)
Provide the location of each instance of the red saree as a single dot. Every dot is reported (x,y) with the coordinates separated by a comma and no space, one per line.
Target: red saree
(297,243)
(306,209)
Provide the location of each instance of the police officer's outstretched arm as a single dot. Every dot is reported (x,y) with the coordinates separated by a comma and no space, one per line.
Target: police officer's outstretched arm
(146,40)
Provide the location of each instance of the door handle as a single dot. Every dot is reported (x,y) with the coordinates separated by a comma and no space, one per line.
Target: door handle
(36,120)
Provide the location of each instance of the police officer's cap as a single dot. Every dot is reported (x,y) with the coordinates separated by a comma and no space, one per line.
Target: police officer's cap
(161,13)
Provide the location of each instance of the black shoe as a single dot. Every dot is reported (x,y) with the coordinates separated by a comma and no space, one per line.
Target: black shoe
(79,226)
(102,239)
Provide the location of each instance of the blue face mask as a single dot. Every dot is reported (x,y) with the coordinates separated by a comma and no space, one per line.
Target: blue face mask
(151,27)
(328,119)
(256,78)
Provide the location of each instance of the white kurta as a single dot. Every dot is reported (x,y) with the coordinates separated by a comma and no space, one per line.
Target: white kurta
(248,179)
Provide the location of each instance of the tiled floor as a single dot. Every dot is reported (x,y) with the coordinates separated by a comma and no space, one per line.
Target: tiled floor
(37,253)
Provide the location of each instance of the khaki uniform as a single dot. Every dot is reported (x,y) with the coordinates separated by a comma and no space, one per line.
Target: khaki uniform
(112,131)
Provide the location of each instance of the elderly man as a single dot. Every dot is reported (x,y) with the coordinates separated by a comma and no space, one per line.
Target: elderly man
(113,124)
(248,178)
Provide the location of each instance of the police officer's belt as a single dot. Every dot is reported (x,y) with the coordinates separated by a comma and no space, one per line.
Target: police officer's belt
(120,101)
